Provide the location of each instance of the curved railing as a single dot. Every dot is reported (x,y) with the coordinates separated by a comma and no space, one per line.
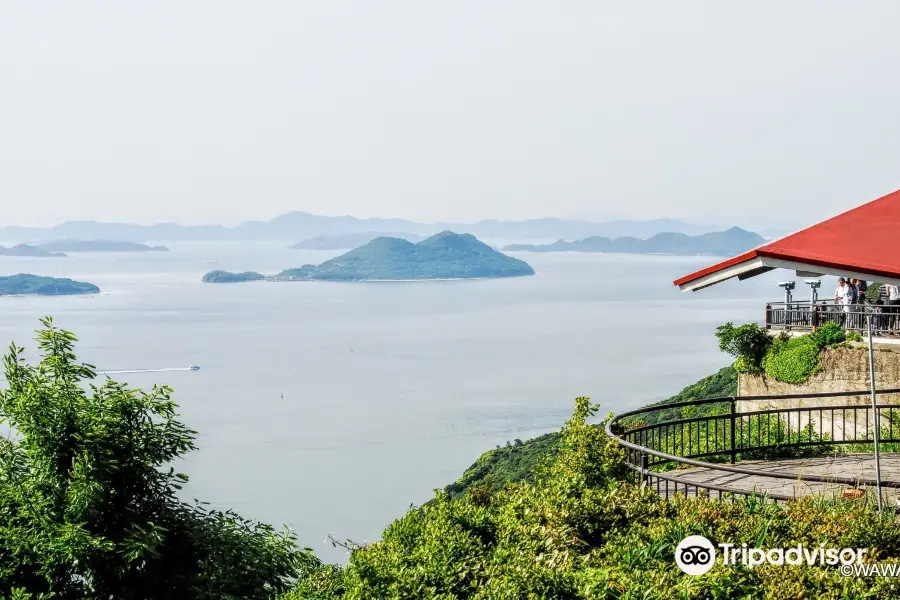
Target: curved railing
(801,315)
(660,439)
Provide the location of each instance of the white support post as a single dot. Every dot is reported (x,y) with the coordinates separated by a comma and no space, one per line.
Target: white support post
(876,418)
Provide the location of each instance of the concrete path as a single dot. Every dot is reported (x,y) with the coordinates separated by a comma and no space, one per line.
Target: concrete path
(840,465)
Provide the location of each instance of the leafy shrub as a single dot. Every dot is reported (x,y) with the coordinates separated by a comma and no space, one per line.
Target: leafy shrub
(581,531)
(505,465)
(853,336)
(748,343)
(743,365)
(793,361)
(828,334)
(89,504)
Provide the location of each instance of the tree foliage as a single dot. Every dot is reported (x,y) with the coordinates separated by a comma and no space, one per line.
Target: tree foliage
(828,334)
(582,530)
(89,504)
(747,343)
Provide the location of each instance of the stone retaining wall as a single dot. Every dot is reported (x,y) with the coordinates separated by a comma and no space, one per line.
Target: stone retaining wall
(841,370)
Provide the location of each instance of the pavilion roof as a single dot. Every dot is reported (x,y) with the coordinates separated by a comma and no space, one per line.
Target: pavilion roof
(862,243)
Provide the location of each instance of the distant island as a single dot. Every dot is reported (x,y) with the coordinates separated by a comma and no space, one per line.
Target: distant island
(226,277)
(349,240)
(99,246)
(295,226)
(721,243)
(26,250)
(446,255)
(25,283)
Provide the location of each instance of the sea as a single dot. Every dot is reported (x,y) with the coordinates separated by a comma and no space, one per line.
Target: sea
(332,408)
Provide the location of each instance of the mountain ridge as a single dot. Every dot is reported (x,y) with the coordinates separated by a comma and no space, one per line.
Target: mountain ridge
(731,241)
(299,225)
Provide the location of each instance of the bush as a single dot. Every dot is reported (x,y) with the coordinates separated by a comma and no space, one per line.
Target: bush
(742,365)
(581,531)
(793,361)
(829,334)
(853,336)
(89,502)
(748,343)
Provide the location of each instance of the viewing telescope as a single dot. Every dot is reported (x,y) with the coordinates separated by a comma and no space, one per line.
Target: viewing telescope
(814,285)
(788,286)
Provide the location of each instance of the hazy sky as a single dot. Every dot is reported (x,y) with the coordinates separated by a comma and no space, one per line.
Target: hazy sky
(220,111)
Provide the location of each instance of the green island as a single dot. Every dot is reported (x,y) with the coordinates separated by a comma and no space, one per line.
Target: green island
(226,277)
(446,255)
(93,511)
(99,246)
(27,284)
(27,250)
(720,243)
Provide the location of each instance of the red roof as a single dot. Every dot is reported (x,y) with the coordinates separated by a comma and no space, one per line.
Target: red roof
(863,241)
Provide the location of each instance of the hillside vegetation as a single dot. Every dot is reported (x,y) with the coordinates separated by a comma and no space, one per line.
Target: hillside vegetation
(519,461)
(783,358)
(90,508)
(582,531)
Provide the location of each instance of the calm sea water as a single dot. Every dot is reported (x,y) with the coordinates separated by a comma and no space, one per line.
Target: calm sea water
(332,407)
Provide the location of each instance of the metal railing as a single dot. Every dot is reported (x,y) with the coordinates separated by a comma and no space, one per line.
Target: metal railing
(724,436)
(802,316)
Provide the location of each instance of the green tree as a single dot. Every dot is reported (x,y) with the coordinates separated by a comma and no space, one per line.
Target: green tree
(89,503)
(748,343)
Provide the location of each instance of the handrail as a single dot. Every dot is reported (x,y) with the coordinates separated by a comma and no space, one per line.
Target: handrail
(802,316)
(658,406)
(646,436)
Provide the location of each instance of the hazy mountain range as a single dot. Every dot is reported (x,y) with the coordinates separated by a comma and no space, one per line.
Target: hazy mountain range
(720,243)
(296,226)
(350,240)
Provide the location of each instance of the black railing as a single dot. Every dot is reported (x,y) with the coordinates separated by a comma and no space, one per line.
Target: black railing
(725,435)
(804,316)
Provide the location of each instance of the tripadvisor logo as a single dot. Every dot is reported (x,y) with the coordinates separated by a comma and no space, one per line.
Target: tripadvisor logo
(695,555)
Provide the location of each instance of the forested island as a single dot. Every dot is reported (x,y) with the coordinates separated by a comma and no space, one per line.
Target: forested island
(99,246)
(25,283)
(27,250)
(349,240)
(446,255)
(226,277)
(720,243)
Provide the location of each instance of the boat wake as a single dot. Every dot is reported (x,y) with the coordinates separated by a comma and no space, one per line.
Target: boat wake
(122,371)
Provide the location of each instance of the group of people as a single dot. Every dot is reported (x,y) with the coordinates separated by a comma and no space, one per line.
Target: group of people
(852,291)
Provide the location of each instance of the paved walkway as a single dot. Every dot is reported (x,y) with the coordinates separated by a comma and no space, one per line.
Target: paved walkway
(841,465)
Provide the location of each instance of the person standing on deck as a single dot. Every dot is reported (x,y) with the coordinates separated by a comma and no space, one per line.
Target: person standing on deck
(882,301)
(842,298)
(861,288)
(893,302)
(854,291)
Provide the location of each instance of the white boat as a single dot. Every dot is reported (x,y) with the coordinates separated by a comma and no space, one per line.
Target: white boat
(195,367)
